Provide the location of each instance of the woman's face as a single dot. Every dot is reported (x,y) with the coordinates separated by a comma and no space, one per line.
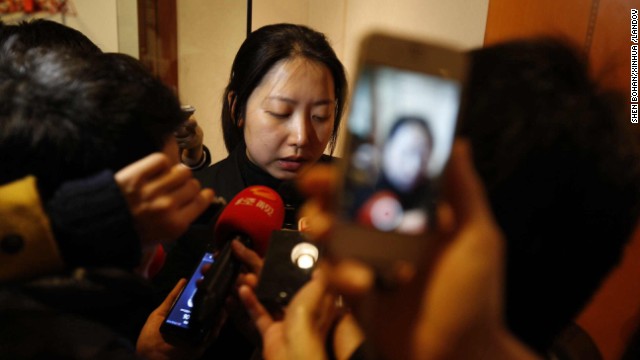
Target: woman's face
(289,117)
(405,156)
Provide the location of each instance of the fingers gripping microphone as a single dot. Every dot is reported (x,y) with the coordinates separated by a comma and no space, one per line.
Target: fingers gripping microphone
(250,216)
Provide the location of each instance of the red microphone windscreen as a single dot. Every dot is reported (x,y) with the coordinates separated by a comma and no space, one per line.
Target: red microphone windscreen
(256,211)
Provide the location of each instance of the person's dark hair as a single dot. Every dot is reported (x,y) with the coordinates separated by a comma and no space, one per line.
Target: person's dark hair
(561,170)
(65,117)
(412,119)
(260,51)
(46,33)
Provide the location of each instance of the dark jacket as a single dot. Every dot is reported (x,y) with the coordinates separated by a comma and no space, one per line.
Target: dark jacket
(80,315)
(48,312)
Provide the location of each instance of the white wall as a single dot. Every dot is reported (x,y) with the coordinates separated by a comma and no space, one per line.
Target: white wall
(458,22)
(209,34)
(97,20)
(327,16)
(127,19)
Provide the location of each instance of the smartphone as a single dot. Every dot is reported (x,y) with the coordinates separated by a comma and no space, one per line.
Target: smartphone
(400,129)
(177,323)
(288,264)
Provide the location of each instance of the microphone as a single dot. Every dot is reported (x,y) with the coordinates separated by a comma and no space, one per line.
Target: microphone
(251,216)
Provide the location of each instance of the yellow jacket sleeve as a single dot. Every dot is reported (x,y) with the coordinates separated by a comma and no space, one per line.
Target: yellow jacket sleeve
(27,245)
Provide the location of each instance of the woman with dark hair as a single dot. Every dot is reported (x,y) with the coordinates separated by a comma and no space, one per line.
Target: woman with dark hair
(281,111)
(396,196)
(406,153)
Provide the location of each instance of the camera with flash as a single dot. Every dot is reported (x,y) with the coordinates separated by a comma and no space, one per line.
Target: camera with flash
(288,264)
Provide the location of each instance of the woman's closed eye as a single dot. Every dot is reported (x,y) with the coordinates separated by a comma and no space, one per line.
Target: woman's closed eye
(279,115)
(320,117)
(322,112)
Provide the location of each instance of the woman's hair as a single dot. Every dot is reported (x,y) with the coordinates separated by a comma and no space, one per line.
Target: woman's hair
(260,51)
(412,119)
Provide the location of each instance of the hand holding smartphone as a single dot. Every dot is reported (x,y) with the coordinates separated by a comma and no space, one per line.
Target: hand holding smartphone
(400,133)
(178,323)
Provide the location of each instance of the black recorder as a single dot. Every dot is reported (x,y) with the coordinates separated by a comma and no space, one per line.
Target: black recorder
(288,265)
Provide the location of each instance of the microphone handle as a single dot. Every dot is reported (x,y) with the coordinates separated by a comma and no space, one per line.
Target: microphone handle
(216,286)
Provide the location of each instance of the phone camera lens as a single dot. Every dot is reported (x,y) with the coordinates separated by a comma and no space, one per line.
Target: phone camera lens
(304,255)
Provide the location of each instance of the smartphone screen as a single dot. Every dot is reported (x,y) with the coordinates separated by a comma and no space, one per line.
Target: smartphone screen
(401,127)
(178,319)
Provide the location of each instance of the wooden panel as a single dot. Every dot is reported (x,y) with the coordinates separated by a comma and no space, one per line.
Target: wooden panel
(614,313)
(158,41)
(508,19)
(610,50)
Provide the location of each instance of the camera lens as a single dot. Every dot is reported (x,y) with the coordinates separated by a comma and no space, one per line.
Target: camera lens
(304,255)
